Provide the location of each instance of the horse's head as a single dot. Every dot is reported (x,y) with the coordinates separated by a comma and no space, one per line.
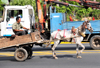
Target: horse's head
(88,26)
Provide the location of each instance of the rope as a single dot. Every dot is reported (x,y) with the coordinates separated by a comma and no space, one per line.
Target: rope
(64,33)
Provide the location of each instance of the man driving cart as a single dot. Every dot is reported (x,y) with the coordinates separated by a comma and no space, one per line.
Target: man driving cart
(17,27)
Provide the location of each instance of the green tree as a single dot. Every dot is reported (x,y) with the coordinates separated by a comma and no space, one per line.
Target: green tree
(27,2)
(96,14)
(1,6)
(88,11)
(71,10)
(79,13)
(24,2)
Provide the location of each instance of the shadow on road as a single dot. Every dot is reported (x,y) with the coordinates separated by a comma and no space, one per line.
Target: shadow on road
(59,56)
(45,49)
(60,48)
(7,58)
(11,58)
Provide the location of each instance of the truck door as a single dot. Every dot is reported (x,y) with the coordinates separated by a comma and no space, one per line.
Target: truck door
(31,18)
(55,21)
(10,19)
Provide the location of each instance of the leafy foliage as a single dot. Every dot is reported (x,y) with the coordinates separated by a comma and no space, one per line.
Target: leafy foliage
(96,14)
(79,13)
(1,7)
(24,2)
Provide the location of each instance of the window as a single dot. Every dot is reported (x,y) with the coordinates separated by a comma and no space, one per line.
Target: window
(13,14)
(30,12)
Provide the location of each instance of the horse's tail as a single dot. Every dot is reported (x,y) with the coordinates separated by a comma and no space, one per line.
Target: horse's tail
(49,41)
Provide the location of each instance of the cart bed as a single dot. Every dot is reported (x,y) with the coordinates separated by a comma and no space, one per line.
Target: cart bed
(20,40)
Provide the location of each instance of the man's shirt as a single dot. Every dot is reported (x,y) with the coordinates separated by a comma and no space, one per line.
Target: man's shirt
(17,26)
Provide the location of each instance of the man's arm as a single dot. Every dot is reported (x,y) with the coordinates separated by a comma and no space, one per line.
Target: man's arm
(17,30)
(25,28)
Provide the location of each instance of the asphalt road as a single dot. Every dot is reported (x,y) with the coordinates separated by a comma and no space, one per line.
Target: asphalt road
(42,58)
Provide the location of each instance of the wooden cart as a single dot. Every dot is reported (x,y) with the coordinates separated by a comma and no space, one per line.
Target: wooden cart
(23,44)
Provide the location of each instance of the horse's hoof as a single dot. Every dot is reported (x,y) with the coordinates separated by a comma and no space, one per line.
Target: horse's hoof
(79,57)
(79,52)
(56,57)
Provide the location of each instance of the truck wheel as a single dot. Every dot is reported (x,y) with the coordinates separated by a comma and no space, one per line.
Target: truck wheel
(20,54)
(29,51)
(95,42)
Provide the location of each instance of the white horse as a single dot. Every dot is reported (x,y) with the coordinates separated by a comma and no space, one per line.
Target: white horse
(76,33)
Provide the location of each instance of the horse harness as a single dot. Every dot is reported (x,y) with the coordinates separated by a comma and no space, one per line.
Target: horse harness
(58,32)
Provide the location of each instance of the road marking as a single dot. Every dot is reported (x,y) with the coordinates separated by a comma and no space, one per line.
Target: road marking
(6,54)
(68,42)
(40,53)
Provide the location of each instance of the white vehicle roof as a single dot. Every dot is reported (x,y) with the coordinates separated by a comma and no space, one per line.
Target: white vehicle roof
(18,7)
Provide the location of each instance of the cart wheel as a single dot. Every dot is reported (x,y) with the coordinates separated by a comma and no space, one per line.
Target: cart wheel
(29,51)
(20,54)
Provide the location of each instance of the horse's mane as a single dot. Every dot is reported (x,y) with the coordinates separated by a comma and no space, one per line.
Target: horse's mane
(83,25)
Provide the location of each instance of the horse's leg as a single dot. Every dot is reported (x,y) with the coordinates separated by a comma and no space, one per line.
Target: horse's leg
(53,48)
(83,48)
(77,50)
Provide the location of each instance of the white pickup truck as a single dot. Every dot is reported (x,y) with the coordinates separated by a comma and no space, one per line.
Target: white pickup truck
(9,17)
